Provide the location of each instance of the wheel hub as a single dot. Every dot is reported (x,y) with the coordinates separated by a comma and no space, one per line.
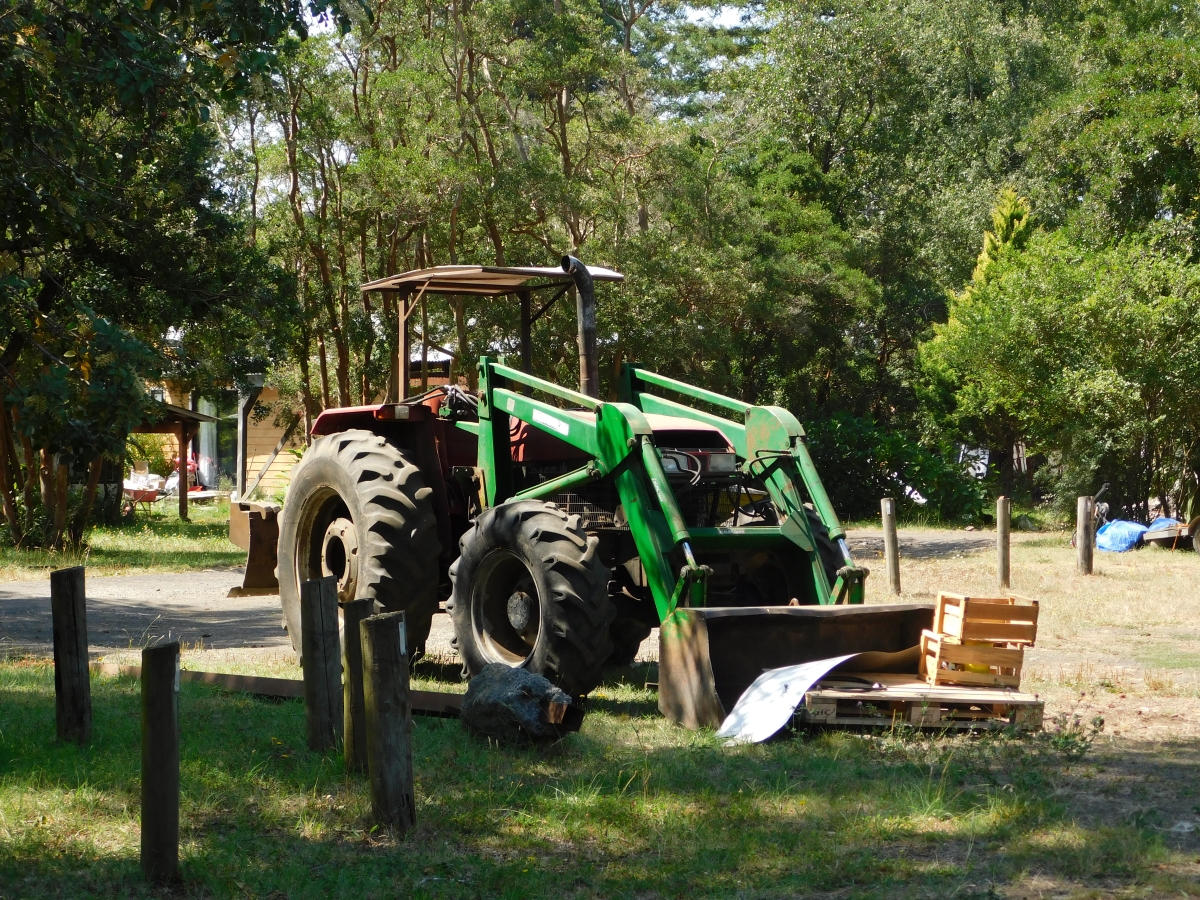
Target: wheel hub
(339,557)
(523,616)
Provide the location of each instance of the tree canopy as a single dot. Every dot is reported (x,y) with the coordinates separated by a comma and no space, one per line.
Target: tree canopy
(796,192)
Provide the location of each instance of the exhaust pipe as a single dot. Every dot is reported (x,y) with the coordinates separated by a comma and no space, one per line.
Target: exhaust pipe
(585,313)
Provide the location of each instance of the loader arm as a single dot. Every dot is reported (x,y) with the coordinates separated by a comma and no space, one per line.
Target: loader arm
(771,445)
(619,442)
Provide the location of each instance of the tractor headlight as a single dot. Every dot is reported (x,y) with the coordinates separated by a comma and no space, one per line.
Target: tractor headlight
(670,464)
(722,462)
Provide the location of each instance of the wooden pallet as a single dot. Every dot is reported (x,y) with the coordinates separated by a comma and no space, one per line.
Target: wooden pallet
(885,700)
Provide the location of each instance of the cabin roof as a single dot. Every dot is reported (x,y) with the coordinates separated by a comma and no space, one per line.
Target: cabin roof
(486,281)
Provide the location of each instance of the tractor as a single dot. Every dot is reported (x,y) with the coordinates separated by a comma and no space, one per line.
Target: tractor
(557,529)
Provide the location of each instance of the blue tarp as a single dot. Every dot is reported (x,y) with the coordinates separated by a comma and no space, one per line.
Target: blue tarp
(1119,535)
(1163,522)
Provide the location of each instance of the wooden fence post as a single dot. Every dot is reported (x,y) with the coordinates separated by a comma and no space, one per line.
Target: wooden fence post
(321,659)
(389,720)
(891,547)
(355,729)
(160,762)
(1003,527)
(72,687)
(1084,536)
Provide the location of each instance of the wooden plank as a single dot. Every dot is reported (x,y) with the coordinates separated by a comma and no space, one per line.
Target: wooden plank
(436,704)
(274,453)
(983,679)
(997,609)
(924,715)
(932,694)
(1012,632)
(388,719)
(322,663)
(976,655)
(910,689)
(72,689)
(1029,717)
(160,763)
(355,730)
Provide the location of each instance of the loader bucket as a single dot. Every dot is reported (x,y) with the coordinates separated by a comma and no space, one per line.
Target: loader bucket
(255,528)
(709,656)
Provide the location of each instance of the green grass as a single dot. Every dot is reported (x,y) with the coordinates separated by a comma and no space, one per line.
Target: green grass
(154,542)
(630,807)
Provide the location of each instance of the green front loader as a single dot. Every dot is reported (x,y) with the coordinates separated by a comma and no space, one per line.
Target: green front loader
(558,529)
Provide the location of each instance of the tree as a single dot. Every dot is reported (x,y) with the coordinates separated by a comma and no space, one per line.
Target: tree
(974,360)
(913,113)
(1119,155)
(1088,355)
(108,198)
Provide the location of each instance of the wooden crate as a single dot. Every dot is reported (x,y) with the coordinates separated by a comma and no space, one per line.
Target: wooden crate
(945,661)
(886,700)
(1011,621)
(978,640)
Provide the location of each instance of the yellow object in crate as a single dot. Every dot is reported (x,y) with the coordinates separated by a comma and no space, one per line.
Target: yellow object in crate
(978,640)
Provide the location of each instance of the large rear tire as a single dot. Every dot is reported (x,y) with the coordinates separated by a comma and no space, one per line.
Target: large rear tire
(359,510)
(531,591)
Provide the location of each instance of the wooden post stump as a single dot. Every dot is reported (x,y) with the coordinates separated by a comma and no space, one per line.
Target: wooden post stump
(1084,536)
(389,720)
(355,728)
(72,687)
(160,762)
(321,660)
(891,545)
(1003,527)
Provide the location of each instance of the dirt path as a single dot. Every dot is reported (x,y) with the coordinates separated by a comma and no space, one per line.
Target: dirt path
(128,611)
(866,544)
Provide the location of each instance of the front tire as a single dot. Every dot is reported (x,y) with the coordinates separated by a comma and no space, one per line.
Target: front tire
(358,509)
(530,591)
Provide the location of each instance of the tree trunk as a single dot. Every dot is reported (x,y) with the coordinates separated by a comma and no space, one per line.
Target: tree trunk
(8,462)
(60,504)
(89,496)
(46,476)
(461,363)
(31,472)
(306,396)
(323,362)
(1005,468)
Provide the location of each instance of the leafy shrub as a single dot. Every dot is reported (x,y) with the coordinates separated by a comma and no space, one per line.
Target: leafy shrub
(861,462)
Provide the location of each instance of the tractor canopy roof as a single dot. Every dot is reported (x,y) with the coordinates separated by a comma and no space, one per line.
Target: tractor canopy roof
(487,281)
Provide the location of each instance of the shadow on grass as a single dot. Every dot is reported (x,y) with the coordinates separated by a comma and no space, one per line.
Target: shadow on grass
(622,809)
